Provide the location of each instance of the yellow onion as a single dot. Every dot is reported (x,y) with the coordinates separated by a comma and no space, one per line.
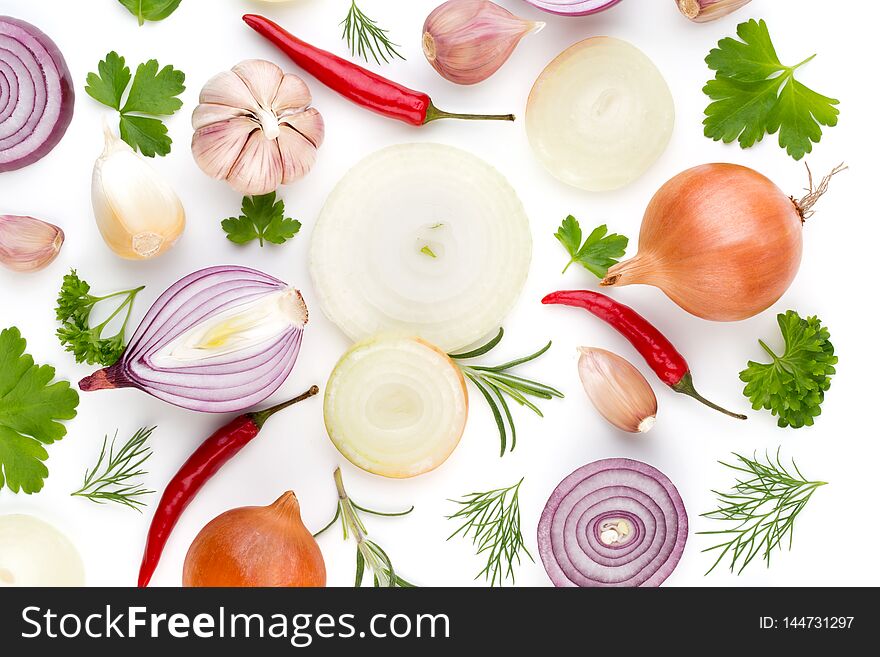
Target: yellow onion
(721,240)
(618,390)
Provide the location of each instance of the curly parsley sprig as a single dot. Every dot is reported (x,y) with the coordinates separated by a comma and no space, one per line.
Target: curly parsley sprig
(74,310)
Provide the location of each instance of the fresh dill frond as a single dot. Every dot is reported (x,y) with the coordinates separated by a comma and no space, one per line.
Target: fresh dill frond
(494,383)
(369,556)
(492,521)
(366,39)
(760,510)
(116,479)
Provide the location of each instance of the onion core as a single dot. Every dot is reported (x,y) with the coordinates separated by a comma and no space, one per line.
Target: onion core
(600,115)
(396,406)
(614,522)
(36,94)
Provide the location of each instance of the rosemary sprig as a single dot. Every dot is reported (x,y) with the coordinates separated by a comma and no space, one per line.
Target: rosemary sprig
(370,556)
(494,383)
(366,39)
(761,510)
(492,521)
(116,481)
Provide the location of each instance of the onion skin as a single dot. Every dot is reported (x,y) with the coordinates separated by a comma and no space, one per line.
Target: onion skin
(256,546)
(8,26)
(721,240)
(573,7)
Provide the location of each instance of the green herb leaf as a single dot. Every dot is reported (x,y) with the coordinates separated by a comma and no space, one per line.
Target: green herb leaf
(754,94)
(599,252)
(114,480)
(793,385)
(150,10)
(492,520)
(153,93)
(366,39)
(759,512)
(74,308)
(262,218)
(31,407)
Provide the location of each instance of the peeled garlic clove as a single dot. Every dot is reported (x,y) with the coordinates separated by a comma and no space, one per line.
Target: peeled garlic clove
(28,244)
(703,11)
(137,211)
(618,390)
(255,129)
(467,41)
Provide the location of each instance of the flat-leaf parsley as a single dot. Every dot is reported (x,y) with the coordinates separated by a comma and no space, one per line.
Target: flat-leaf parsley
(600,250)
(262,218)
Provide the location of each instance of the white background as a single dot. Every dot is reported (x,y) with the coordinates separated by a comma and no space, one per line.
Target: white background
(836,536)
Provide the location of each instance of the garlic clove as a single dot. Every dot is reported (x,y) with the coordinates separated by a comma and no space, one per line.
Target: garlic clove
(208,113)
(137,211)
(618,390)
(310,124)
(467,41)
(262,78)
(28,244)
(227,88)
(298,154)
(217,146)
(258,169)
(703,11)
(292,94)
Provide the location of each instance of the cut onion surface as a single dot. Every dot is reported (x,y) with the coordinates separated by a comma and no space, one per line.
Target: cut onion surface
(421,239)
(573,7)
(34,553)
(36,94)
(615,522)
(396,406)
(600,115)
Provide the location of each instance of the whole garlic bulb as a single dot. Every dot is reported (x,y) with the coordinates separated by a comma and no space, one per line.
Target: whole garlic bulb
(255,129)
(467,41)
(618,390)
(137,211)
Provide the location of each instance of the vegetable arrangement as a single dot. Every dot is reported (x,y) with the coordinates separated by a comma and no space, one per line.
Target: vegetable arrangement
(419,253)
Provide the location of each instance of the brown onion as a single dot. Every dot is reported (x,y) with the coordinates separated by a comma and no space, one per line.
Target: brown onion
(721,240)
(256,546)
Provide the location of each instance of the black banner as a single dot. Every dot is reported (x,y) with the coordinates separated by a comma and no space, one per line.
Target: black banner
(434,621)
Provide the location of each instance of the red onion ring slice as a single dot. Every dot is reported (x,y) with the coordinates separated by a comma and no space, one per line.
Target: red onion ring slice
(573,7)
(614,522)
(36,94)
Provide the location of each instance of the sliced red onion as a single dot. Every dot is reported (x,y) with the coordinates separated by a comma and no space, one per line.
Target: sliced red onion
(36,94)
(219,340)
(615,522)
(573,7)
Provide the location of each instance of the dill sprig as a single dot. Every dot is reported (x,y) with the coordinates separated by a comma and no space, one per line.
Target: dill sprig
(492,521)
(114,481)
(494,383)
(762,509)
(370,556)
(366,39)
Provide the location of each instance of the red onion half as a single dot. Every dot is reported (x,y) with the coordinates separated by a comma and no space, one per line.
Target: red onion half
(219,340)
(36,94)
(614,522)
(573,7)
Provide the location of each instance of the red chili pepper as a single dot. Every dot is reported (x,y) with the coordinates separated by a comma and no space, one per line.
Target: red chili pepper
(659,352)
(204,463)
(356,83)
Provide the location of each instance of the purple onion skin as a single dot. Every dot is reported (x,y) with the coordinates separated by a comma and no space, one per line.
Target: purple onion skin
(615,474)
(582,8)
(66,101)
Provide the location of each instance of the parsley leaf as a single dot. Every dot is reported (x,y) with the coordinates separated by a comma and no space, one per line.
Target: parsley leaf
(793,385)
(262,218)
(150,10)
(597,253)
(74,308)
(754,94)
(30,409)
(153,93)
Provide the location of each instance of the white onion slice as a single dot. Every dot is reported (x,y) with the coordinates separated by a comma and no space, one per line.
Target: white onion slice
(396,406)
(422,239)
(34,553)
(600,115)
